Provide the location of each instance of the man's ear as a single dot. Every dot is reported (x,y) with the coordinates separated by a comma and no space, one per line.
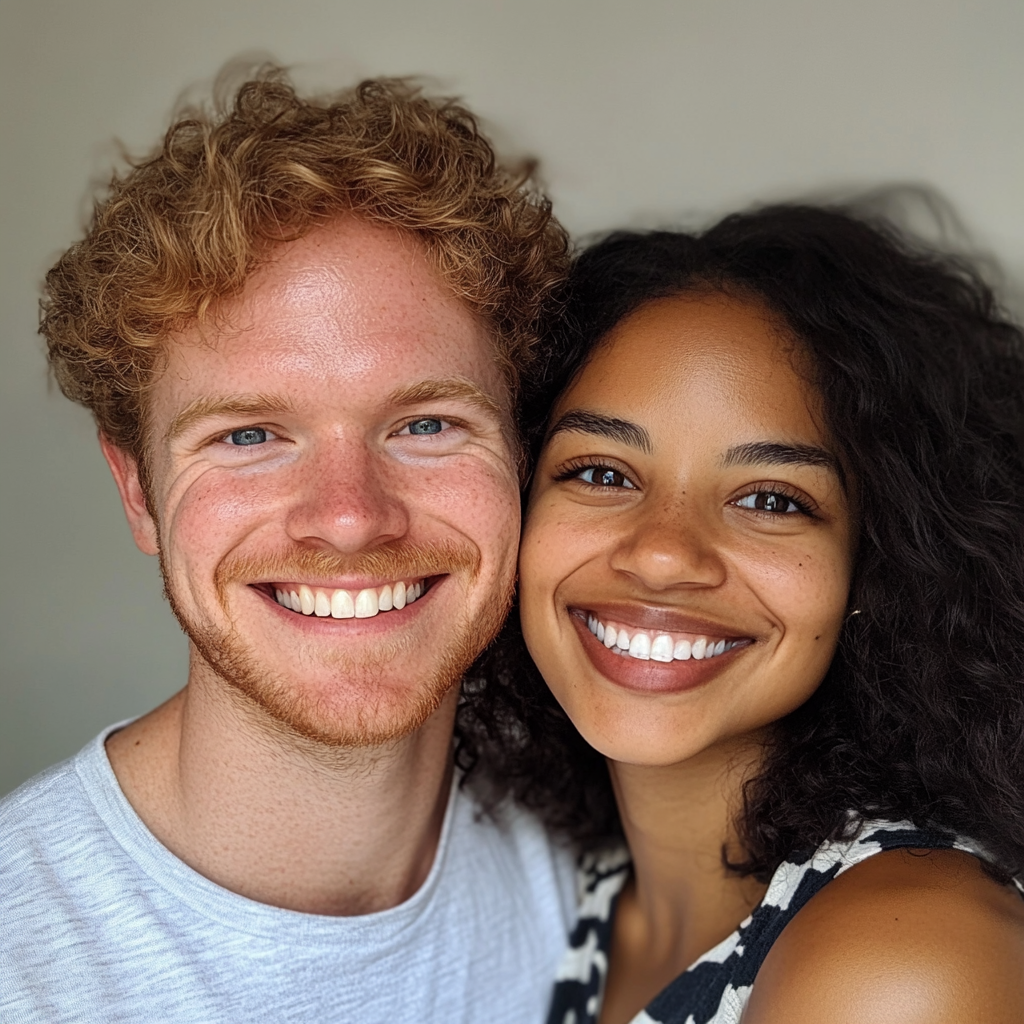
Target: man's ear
(133,498)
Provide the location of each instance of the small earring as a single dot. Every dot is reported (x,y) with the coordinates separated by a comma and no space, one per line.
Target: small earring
(856,611)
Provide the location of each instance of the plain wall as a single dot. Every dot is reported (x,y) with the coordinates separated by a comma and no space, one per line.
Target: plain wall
(647,112)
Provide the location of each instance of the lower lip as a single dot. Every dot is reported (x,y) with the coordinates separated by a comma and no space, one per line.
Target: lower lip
(652,676)
(382,622)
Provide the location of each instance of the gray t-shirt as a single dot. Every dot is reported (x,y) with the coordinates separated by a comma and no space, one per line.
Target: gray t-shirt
(100,922)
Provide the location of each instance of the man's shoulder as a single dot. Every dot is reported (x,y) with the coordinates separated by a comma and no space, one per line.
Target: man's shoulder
(49,818)
(41,802)
(508,847)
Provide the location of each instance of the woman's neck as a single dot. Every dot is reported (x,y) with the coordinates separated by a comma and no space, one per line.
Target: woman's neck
(682,900)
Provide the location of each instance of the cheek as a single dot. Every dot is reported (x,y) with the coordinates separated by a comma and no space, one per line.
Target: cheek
(477,499)
(206,512)
(805,590)
(553,550)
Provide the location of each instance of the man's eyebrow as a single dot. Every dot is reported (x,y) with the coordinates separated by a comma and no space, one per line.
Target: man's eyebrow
(774,453)
(223,405)
(440,388)
(623,431)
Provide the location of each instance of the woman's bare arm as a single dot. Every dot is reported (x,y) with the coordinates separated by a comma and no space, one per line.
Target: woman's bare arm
(907,937)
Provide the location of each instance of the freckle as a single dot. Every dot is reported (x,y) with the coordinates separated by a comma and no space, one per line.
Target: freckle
(137,742)
(817,638)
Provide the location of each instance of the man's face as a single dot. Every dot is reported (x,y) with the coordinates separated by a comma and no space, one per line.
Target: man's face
(336,437)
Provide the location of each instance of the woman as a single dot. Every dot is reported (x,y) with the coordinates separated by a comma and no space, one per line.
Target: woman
(772,572)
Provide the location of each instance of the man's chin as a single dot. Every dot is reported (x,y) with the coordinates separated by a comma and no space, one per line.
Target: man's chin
(354,721)
(344,698)
(345,703)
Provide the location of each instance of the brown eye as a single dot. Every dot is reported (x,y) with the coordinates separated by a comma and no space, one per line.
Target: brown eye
(772,502)
(605,476)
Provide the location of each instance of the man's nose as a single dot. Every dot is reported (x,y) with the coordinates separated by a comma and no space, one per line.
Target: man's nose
(347,500)
(665,549)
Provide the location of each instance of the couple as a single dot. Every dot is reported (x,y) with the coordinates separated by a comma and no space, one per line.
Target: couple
(758,715)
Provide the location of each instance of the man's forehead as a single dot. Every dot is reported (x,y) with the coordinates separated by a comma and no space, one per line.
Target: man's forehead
(326,313)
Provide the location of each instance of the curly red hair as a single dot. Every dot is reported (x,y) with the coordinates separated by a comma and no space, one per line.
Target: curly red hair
(190,224)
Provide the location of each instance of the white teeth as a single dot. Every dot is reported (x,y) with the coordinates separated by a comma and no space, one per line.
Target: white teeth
(366,604)
(661,648)
(640,647)
(342,606)
(643,646)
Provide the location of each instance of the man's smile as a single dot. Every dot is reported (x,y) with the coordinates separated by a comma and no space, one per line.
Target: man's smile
(341,603)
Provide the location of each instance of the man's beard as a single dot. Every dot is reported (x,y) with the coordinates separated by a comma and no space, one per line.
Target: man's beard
(376,712)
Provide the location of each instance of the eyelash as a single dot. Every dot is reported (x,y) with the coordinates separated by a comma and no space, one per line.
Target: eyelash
(803,506)
(446,424)
(225,437)
(575,467)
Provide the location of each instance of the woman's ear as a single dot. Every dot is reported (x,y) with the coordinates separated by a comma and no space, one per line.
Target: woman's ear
(133,495)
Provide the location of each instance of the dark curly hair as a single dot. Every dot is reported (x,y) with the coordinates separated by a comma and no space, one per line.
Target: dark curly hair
(921,714)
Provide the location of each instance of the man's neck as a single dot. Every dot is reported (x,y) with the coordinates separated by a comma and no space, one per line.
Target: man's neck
(278,818)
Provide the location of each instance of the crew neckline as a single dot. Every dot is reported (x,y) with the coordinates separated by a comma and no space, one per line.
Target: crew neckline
(213,901)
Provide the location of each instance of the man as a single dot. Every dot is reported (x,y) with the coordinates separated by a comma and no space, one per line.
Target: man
(298,327)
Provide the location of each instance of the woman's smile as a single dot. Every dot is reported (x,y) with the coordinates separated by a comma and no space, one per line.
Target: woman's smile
(687,548)
(657,650)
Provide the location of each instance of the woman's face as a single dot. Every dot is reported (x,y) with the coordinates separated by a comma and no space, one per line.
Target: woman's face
(688,547)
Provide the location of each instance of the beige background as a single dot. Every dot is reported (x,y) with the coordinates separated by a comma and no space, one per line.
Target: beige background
(644,112)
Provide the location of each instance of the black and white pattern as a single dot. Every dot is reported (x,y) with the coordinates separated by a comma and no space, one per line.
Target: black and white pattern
(715,989)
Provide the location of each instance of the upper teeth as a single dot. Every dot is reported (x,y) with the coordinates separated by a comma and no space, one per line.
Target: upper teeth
(345,604)
(646,646)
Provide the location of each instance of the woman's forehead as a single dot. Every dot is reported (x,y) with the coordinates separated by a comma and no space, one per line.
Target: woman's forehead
(708,358)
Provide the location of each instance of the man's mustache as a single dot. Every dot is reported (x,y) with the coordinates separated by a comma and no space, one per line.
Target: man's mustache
(401,561)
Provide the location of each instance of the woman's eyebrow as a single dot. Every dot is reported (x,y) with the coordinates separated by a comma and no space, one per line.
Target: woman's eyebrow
(623,431)
(774,453)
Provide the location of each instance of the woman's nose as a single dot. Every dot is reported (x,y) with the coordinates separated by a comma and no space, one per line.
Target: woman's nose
(663,551)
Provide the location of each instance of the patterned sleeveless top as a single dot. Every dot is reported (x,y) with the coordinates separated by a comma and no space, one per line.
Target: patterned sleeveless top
(715,989)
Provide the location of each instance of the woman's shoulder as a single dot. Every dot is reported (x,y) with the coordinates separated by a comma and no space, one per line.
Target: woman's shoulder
(906,935)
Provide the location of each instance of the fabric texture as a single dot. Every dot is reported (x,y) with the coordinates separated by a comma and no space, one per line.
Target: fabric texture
(716,987)
(102,923)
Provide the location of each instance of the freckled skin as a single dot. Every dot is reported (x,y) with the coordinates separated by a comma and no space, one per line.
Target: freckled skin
(700,375)
(330,797)
(900,938)
(335,323)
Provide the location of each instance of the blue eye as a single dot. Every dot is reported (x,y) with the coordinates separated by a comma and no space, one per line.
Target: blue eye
(247,436)
(425,426)
(605,476)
